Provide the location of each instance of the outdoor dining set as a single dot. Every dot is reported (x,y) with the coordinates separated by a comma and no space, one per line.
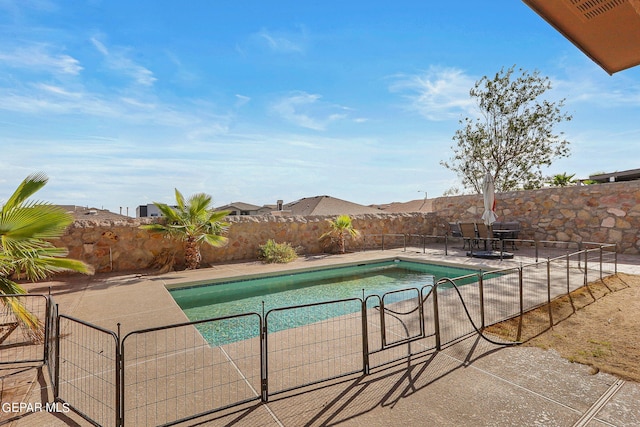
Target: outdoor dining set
(493,237)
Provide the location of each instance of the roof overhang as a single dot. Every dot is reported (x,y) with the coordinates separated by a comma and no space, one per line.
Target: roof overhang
(607,31)
(629,175)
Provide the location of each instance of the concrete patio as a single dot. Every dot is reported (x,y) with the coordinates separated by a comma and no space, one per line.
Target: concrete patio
(469,383)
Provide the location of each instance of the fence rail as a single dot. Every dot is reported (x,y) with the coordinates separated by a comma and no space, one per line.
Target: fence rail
(176,373)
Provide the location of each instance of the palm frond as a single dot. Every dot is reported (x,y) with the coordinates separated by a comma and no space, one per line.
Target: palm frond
(25,250)
(34,221)
(26,189)
(192,222)
(179,200)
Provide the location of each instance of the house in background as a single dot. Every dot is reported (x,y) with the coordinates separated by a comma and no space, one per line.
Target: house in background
(150,210)
(420,205)
(82,212)
(628,175)
(327,205)
(241,208)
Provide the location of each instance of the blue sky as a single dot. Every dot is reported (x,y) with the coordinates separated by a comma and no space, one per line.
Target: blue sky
(120,102)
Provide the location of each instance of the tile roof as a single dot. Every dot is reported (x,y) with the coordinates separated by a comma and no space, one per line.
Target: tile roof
(241,206)
(420,205)
(327,205)
(82,212)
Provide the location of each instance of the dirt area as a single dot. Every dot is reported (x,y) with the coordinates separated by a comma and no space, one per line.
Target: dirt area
(598,325)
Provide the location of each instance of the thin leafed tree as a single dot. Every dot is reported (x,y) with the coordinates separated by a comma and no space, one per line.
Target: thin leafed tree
(341,227)
(26,252)
(194,222)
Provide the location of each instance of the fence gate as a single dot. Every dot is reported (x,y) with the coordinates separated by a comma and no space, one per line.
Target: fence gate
(87,370)
(311,343)
(177,373)
(401,316)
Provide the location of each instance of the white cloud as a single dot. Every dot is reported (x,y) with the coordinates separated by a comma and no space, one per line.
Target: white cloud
(241,100)
(438,94)
(307,110)
(284,42)
(117,59)
(38,57)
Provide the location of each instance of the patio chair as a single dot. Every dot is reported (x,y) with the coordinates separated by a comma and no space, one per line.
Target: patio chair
(469,236)
(454,228)
(484,234)
(514,227)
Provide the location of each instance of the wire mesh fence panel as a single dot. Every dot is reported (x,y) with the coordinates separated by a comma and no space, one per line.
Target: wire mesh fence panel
(459,308)
(560,278)
(310,343)
(501,295)
(23,319)
(554,249)
(402,336)
(609,259)
(575,271)
(87,370)
(401,315)
(593,265)
(179,372)
(535,285)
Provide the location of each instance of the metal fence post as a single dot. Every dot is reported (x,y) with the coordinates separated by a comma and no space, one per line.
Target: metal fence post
(521,292)
(436,317)
(119,380)
(365,339)
(56,385)
(568,278)
(586,275)
(481,287)
(264,356)
(600,262)
(549,292)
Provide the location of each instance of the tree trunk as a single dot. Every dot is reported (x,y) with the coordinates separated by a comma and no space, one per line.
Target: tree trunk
(192,256)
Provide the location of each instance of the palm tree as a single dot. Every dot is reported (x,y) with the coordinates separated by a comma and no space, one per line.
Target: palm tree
(562,180)
(26,228)
(194,223)
(340,228)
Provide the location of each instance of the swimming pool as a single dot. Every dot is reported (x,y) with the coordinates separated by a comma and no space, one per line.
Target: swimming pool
(290,289)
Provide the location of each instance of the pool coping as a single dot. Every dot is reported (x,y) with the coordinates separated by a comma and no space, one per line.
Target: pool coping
(295,271)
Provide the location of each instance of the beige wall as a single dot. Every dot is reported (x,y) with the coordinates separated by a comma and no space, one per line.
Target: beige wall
(122,246)
(604,213)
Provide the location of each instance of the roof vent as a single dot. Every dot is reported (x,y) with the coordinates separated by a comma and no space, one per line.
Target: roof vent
(589,9)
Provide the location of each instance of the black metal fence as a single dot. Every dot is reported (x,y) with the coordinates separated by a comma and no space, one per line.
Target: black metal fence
(172,374)
(18,342)
(87,370)
(176,373)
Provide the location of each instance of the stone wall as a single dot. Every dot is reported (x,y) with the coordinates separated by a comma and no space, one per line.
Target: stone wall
(123,246)
(603,213)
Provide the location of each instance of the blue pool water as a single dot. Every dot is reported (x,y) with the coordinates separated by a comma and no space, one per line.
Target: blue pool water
(237,297)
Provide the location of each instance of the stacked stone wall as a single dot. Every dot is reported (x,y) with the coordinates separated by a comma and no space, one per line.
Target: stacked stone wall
(603,213)
(123,246)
